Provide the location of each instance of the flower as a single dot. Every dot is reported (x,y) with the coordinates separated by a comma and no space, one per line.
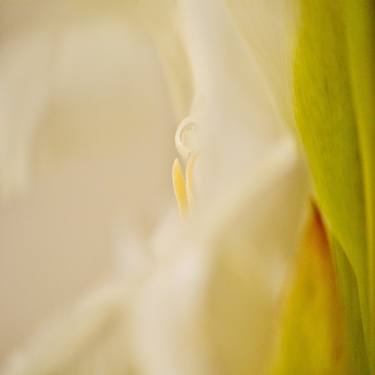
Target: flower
(199,294)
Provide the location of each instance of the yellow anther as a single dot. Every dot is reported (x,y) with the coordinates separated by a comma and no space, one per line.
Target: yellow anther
(179,187)
(190,164)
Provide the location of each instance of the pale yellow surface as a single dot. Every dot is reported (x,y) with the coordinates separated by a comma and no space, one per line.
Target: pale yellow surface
(93,159)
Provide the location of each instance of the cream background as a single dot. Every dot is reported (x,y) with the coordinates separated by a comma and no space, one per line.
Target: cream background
(98,158)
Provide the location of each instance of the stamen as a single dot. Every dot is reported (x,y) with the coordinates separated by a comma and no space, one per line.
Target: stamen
(185,137)
(190,164)
(185,140)
(179,188)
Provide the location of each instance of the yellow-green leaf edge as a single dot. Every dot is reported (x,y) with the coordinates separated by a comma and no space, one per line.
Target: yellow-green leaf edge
(334,81)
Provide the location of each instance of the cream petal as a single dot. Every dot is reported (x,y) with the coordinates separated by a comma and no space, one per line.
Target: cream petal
(212,298)
(86,115)
(90,339)
(211,306)
(25,84)
(253,199)
(255,246)
(237,117)
(269,29)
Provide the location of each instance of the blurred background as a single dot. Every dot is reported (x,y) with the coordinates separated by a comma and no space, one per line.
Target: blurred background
(86,146)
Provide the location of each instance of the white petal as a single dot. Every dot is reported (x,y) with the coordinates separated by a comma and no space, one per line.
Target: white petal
(236,113)
(212,305)
(269,29)
(253,199)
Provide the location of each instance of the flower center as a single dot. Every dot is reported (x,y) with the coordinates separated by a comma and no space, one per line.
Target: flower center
(183,179)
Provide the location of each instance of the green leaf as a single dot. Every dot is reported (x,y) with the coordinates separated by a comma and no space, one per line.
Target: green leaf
(335,112)
(354,343)
(359,18)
